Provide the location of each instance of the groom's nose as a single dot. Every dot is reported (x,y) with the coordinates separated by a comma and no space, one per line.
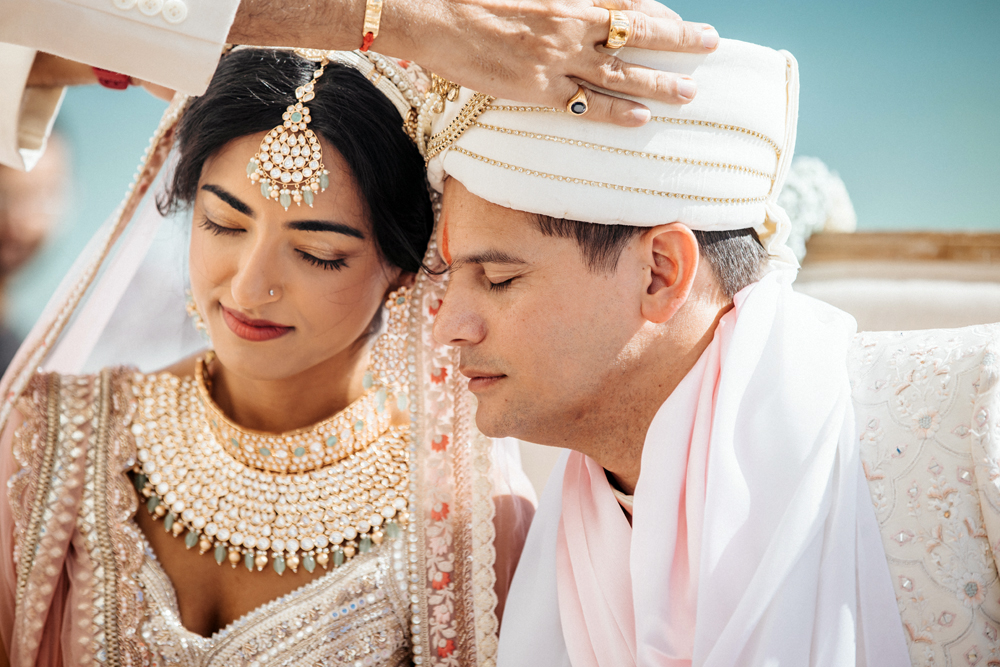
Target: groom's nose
(457,322)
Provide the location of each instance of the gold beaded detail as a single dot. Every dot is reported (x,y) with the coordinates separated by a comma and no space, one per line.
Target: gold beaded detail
(466,118)
(241,514)
(610,186)
(659,119)
(624,151)
(289,163)
(353,429)
(212,490)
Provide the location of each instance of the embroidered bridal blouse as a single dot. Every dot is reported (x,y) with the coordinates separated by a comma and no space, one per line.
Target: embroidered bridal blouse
(82,570)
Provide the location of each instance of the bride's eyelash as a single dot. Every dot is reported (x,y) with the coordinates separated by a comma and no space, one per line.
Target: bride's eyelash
(218,230)
(333,264)
(501,286)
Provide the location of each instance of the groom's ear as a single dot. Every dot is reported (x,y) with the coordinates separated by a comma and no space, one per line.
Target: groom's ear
(670,257)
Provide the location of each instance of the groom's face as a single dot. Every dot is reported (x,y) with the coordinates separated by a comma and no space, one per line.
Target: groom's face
(541,334)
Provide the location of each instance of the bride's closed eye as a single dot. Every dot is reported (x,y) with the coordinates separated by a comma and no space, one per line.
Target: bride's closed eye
(219,230)
(331,264)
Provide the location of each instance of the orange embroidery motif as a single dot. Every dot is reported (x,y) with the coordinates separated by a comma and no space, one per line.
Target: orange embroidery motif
(440,511)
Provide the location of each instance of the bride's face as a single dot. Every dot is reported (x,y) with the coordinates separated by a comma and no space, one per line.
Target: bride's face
(283,291)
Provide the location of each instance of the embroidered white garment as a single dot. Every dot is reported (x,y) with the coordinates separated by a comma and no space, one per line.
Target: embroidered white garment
(791,570)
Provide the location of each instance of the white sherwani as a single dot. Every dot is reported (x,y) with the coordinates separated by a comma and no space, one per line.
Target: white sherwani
(175,43)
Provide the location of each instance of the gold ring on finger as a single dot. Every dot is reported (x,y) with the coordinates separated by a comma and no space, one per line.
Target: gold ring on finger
(577,104)
(618,29)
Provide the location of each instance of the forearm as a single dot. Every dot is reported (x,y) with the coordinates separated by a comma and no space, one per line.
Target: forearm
(323,24)
(49,71)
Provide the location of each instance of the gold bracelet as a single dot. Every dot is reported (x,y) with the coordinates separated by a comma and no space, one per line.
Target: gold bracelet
(373,14)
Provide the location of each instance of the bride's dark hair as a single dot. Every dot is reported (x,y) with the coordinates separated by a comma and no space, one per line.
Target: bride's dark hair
(249,92)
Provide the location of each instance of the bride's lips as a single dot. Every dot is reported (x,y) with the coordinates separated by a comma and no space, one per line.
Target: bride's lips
(253,330)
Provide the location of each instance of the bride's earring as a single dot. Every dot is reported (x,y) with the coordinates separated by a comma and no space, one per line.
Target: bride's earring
(192,311)
(388,365)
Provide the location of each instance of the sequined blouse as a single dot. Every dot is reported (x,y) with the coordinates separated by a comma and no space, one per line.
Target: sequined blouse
(73,507)
(353,615)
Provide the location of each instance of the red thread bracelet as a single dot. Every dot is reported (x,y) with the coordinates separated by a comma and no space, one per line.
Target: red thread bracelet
(367,40)
(112,80)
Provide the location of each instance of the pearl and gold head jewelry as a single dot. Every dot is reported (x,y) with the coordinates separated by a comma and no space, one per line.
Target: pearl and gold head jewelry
(289,164)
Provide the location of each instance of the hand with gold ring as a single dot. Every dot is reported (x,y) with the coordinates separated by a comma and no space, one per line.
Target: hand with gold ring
(531,51)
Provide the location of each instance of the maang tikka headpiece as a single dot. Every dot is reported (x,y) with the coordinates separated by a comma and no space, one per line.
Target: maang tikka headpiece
(289,163)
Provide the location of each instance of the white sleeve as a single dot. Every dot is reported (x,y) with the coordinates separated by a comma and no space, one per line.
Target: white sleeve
(175,43)
(26,114)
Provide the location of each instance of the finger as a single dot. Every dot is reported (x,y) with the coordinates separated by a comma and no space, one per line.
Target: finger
(616,75)
(605,108)
(670,35)
(658,34)
(609,109)
(649,7)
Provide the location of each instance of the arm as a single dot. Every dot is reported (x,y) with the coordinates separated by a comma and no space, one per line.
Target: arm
(528,50)
(26,113)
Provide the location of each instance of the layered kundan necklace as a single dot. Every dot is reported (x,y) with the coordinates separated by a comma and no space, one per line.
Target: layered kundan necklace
(317,495)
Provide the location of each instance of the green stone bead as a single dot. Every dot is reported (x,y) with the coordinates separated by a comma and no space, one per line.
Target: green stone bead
(359,425)
(139,481)
(308,196)
(234,442)
(264,451)
(279,564)
(190,539)
(300,451)
(296,117)
(332,441)
(400,300)
(324,181)
(168,523)
(265,189)
(368,380)
(401,401)
(392,530)
(309,563)
(248,560)
(220,553)
(366,544)
(380,398)
(251,167)
(285,199)
(152,503)
(338,557)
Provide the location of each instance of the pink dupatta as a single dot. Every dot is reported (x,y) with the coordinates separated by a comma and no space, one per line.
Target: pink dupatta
(596,603)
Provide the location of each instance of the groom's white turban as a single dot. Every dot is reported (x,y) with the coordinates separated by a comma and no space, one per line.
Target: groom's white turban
(717,163)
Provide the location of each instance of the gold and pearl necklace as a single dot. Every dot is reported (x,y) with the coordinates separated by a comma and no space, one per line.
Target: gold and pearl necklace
(308,497)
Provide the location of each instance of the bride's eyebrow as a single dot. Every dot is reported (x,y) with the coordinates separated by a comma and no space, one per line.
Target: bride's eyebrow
(325,226)
(231,199)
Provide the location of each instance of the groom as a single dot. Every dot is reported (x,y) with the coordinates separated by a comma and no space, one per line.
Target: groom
(626,295)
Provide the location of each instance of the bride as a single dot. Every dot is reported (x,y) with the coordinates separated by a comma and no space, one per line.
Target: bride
(312,490)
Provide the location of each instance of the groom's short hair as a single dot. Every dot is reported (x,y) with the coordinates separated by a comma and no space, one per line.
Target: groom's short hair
(736,256)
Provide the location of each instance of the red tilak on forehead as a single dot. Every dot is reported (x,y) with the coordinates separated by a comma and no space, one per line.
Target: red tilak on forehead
(445,252)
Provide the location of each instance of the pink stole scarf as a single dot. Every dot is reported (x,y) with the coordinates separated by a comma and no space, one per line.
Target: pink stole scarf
(594,547)
(751,515)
